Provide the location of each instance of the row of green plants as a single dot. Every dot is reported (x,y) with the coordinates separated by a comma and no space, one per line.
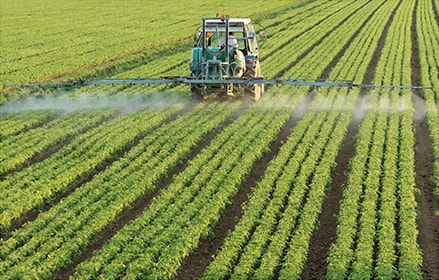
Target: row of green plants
(17,150)
(387,212)
(410,254)
(155,244)
(366,221)
(341,253)
(67,228)
(14,123)
(427,30)
(399,58)
(38,184)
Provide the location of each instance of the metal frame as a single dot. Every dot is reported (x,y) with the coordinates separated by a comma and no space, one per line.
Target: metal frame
(226,81)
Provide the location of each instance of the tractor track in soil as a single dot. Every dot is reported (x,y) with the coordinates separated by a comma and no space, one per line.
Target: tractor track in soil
(427,221)
(141,204)
(325,235)
(194,265)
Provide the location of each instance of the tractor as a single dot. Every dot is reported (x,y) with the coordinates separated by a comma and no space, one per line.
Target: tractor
(226,48)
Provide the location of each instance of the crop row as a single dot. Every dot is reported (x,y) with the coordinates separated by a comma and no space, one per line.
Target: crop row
(19,149)
(41,182)
(67,228)
(14,123)
(154,244)
(409,252)
(339,262)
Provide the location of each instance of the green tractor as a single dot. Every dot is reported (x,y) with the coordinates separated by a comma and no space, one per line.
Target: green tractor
(226,48)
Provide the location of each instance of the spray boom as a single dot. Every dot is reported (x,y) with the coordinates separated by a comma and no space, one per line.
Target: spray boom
(200,82)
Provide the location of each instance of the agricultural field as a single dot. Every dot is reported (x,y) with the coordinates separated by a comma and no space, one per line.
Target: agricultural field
(142,182)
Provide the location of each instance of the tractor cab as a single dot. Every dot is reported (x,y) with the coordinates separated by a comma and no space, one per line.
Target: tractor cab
(225,48)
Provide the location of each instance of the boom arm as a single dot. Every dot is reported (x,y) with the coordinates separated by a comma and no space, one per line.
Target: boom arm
(190,80)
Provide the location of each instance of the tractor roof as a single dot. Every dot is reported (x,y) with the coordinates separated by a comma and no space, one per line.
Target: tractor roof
(218,24)
(220,21)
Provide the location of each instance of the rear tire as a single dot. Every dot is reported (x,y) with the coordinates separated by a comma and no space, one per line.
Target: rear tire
(255,91)
(196,92)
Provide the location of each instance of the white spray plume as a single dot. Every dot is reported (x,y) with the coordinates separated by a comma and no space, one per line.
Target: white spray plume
(69,103)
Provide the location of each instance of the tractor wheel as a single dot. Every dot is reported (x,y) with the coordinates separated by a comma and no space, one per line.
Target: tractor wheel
(255,91)
(197,91)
